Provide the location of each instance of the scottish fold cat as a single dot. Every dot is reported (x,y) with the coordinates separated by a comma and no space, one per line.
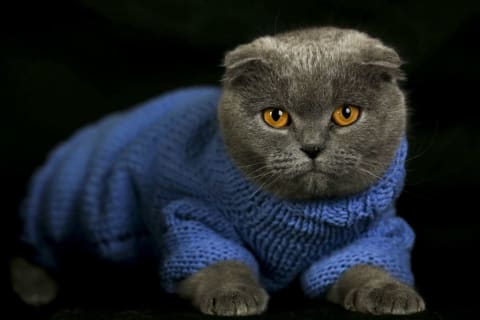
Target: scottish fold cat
(289,171)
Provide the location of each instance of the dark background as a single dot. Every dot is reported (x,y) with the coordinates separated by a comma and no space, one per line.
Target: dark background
(68,63)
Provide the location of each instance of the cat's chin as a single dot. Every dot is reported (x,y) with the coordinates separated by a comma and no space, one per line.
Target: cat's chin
(308,186)
(313,185)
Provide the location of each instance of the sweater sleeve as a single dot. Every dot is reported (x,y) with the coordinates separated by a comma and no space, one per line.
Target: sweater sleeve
(191,237)
(387,244)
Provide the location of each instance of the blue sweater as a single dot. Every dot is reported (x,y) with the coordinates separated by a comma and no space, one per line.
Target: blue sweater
(155,182)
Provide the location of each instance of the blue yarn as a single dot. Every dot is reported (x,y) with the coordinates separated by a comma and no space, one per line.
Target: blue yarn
(155,182)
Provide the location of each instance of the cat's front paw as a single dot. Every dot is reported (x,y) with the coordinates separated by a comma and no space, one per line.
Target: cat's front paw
(239,300)
(387,298)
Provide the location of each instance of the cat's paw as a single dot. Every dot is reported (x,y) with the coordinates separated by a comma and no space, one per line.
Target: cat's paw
(32,283)
(239,300)
(387,298)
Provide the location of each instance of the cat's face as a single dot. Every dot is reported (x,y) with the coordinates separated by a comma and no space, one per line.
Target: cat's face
(312,114)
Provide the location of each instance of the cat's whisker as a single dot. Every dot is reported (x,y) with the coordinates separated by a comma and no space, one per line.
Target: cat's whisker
(257,172)
(420,153)
(425,148)
(372,164)
(251,164)
(285,165)
(264,185)
(261,175)
(274,180)
(369,173)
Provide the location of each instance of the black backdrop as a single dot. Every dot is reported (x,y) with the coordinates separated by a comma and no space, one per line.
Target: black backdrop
(68,63)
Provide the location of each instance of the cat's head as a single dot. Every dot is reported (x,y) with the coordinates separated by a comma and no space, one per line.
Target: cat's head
(313,113)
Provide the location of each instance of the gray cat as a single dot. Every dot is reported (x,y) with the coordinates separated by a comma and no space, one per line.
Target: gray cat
(311,115)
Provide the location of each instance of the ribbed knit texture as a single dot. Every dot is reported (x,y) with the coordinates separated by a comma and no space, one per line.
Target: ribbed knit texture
(155,182)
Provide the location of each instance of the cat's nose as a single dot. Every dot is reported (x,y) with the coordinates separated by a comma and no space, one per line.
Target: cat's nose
(311,151)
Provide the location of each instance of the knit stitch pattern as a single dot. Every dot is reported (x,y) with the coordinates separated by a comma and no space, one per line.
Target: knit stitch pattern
(156,183)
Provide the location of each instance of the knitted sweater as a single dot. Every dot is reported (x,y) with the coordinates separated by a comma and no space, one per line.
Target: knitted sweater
(156,182)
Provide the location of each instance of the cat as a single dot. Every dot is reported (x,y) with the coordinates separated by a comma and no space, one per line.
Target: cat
(289,171)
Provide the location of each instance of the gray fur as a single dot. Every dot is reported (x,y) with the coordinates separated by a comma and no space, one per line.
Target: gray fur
(308,73)
(368,289)
(32,283)
(227,288)
(230,288)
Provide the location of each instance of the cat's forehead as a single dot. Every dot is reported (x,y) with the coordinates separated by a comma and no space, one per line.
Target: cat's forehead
(317,50)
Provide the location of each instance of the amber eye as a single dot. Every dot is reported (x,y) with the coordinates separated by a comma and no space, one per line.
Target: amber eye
(276,118)
(345,115)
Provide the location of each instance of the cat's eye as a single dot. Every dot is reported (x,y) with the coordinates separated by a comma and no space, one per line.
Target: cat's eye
(345,115)
(276,118)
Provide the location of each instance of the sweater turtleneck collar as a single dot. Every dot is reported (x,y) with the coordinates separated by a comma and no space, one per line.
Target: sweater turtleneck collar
(340,212)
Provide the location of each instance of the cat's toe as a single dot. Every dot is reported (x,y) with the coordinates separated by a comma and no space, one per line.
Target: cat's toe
(407,303)
(237,301)
(391,298)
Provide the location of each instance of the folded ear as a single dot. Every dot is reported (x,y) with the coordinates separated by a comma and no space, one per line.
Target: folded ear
(382,63)
(244,64)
